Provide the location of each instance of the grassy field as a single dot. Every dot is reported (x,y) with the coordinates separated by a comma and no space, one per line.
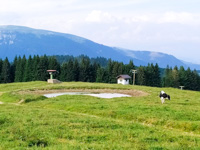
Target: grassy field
(28,120)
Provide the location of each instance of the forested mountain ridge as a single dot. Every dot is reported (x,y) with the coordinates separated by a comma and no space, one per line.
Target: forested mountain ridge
(19,41)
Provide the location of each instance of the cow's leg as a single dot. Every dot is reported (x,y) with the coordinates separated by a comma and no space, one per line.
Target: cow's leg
(162,100)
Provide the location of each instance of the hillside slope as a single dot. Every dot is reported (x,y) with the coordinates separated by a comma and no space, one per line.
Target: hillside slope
(17,40)
(29,120)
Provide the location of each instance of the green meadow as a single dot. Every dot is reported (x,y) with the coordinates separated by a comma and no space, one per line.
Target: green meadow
(28,120)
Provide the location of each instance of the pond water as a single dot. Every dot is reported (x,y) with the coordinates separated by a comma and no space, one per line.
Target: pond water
(100,95)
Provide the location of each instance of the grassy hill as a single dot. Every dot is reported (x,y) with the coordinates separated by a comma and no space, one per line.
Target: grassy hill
(29,120)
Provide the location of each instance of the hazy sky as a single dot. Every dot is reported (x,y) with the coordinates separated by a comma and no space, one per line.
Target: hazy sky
(169,26)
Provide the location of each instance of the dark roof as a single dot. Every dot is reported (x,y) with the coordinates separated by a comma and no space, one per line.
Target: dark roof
(51,70)
(124,76)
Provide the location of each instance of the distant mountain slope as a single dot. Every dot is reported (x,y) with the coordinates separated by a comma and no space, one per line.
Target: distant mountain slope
(17,40)
(155,57)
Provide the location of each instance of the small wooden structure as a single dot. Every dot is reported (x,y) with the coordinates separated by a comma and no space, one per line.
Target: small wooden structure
(123,79)
(134,72)
(51,80)
(51,73)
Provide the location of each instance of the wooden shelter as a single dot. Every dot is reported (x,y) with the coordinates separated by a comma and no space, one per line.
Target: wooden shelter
(123,79)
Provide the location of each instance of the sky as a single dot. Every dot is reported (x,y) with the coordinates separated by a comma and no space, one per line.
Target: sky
(168,26)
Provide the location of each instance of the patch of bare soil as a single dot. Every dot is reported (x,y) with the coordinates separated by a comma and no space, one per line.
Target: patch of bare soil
(134,93)
(21,101)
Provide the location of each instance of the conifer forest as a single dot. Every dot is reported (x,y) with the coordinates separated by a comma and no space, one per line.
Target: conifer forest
(102,70)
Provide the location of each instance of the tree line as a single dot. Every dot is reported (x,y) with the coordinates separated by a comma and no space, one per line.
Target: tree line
(85,69)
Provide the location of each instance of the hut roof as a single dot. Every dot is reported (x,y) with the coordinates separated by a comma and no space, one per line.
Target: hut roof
(51,70)
(124,76)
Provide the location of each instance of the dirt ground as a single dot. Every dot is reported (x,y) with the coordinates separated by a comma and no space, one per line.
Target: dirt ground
(134,93)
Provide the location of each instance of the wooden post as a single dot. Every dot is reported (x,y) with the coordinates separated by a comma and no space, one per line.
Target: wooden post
(51,75)
(134,72)
(181,87)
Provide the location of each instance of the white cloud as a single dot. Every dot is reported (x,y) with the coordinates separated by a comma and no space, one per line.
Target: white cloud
(36,7)
(134,24)
(100,17)
(180,17)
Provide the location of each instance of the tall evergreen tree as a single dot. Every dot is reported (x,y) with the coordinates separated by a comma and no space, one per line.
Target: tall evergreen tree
(5,73)
(141,76)
(175,77)
(156,77)
(13,69)
(110,70)
(70,71)
(115,72)
(1,65)
(64,72)
(42,69)
(189,79)
(84,70)
(195,81)
(149,72)
(93,71)
(168,79)
(36,60)
(102,75)
(18,70)
(76,70)
(28,73)
(182,76)
(23,65)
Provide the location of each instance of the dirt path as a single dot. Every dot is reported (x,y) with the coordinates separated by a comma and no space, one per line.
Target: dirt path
(134,93)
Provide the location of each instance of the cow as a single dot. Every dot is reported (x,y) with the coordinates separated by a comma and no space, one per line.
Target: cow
(164,96)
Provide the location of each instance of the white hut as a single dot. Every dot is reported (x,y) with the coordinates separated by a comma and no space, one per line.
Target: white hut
(123,79)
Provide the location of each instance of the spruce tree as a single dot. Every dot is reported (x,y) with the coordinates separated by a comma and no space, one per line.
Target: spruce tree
(110,70)
(13,68)
(1,65)
(115,72)
(76,70)
(84,70)
(195,81)
(168,79)
(18,70)
(23,65)
(5,73)
(64,70)
(36,60)
(141,76)
(182,76)
(189,79)
(157,77)
(70,72)
(42,69)
(149,75)
(28,73)
(100,75)
(175,77)
(93,71)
